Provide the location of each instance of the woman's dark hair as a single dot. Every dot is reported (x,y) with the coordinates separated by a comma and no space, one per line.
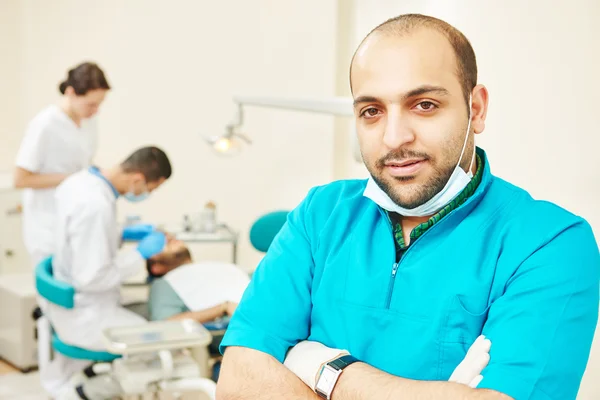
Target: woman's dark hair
(83,78)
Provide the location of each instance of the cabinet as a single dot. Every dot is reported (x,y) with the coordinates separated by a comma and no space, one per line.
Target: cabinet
(13,255)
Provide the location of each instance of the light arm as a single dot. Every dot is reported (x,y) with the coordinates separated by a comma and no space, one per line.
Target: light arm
(362,382)
(249,374)
(25,179)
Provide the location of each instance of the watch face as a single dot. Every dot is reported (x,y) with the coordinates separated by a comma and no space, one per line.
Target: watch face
(327,380)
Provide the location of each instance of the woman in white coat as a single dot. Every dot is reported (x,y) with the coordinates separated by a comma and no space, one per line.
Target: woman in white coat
(59,141)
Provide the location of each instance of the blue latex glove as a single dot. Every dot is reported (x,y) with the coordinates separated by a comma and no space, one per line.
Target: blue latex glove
(137,232)
(153,244)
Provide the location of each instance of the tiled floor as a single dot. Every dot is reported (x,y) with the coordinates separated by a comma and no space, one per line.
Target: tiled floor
(14,385)
(18,386)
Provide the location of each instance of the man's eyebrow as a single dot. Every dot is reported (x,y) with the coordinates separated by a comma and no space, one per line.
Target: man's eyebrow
(365,99)
(425,89)
(419,91)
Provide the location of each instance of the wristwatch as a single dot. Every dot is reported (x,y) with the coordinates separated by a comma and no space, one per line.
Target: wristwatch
(330,375)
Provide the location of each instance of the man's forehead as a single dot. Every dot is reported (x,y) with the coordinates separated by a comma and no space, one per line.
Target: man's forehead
(386,62)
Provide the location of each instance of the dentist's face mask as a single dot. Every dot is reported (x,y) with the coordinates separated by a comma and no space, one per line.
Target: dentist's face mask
(459,179)
(136,198)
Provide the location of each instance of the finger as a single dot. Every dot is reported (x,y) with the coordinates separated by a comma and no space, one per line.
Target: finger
(476,344)
(476,381)
(476,366)
(475,361)
(486,345)
(481,345)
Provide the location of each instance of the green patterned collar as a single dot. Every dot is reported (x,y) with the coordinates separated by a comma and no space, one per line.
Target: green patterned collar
(454,204)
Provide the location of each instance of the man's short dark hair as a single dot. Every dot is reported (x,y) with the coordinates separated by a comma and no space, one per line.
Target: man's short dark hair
(465,55)
(152,162)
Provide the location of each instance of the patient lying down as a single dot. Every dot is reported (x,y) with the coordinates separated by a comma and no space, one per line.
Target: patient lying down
(182,289)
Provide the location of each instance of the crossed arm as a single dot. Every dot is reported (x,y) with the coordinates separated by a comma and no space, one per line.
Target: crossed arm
(250,374)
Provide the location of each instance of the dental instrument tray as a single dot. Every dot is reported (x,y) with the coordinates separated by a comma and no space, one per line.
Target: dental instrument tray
(156,336)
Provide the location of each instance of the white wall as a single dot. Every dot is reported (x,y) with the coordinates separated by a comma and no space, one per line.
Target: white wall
(10,22)
(540,62)
(174,67)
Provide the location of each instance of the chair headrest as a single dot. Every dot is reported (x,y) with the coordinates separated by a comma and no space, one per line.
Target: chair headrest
(54,291)
(265,229)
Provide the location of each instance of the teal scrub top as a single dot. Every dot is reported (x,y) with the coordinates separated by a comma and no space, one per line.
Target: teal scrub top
(521,271)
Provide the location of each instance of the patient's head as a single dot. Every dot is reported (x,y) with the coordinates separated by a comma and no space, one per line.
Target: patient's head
(174,255)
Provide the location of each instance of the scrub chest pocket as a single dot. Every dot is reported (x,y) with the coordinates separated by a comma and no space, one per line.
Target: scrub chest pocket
(415,319)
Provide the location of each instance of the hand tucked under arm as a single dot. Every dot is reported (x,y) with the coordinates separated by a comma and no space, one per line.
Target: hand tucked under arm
(307,358)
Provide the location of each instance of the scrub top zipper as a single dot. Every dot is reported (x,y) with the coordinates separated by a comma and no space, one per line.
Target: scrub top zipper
(398,260)
(391,286)
(396,263)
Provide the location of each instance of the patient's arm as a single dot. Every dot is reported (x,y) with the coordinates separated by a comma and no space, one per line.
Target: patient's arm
(202,316)
(250,375)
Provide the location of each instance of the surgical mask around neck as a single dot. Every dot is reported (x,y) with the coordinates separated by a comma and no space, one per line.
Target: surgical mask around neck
(457,182)
(136,198)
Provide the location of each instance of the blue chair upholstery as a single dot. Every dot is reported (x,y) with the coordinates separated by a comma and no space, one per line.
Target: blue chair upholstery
(63,295)
(81,354)
(54,291)
(265,229)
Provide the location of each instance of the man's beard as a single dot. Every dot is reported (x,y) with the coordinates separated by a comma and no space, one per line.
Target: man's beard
(420,194)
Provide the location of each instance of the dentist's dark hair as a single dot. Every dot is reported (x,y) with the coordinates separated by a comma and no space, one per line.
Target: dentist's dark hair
(151,161)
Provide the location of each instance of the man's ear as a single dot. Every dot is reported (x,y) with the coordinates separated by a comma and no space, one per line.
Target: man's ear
(479,108)
(159,269)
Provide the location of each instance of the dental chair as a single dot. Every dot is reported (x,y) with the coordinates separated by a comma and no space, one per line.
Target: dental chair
(161,356)
(262,233)
(265,228)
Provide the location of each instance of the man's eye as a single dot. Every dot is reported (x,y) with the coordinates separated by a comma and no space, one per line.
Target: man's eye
(370,112)
(426,106)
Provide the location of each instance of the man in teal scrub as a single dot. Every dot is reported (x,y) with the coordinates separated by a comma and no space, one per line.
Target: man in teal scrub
(398,275)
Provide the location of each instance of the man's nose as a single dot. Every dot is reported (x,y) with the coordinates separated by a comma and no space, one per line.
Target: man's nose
(398,130)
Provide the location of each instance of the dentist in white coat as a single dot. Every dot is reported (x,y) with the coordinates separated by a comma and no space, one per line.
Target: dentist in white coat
(86,256)
(59,141)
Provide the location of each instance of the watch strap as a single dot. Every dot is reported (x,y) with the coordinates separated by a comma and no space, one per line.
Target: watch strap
(342,362)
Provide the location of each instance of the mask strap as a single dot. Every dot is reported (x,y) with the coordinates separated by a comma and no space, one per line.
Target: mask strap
(462,152)
(472,160)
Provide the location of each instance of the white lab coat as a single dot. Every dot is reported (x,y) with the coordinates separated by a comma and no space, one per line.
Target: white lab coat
(207,284)
(52,144)
(87,257)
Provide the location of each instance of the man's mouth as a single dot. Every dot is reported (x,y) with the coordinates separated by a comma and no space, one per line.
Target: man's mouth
(405,168)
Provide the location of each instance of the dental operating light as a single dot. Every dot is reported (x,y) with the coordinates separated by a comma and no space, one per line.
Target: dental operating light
(232,141)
